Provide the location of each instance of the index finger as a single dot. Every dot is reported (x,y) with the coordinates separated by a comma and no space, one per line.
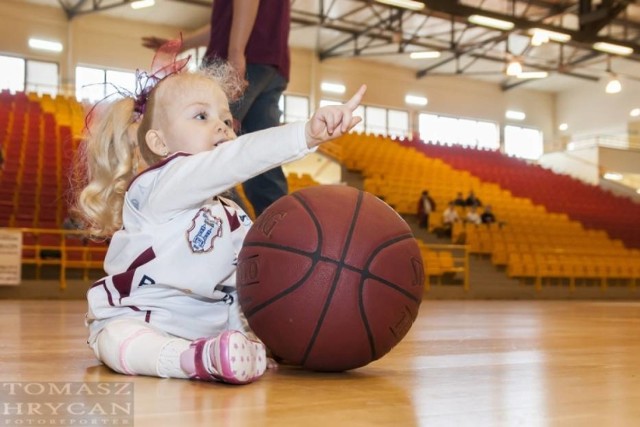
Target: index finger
(355,100)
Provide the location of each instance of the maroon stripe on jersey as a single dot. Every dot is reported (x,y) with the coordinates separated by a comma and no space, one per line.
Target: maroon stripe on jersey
(103,283)
(143,258)
(234,222)
(123,282)
(148,316)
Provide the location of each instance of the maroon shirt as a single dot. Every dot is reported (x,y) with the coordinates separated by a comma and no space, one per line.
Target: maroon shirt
(269,40)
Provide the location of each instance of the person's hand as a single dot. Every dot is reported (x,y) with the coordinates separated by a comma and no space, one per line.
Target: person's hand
(239,64)
(333,121)
(152,42)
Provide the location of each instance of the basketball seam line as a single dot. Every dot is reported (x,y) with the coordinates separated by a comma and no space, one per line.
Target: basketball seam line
(295,286)
(329,298)
(315,259)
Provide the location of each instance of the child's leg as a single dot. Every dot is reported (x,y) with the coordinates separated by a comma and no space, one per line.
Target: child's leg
(132,347)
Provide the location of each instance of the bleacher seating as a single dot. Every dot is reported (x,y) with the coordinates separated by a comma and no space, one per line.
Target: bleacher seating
(592,206)
(530,241)
(38,144)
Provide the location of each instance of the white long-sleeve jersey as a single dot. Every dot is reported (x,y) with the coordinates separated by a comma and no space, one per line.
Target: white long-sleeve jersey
(173,262)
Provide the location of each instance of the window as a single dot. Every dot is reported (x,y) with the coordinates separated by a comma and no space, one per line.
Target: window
(13,73)
(42,77)
(458,131)
(398,123)
(20,75)
(95,84)
(523,142)
(375,120)
(119,80)
(294,108)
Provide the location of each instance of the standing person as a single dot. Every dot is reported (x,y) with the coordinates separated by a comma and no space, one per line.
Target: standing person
(168,306)
(258,49)
(426,205)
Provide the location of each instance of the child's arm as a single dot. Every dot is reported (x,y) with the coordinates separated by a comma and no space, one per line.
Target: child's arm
(333,121)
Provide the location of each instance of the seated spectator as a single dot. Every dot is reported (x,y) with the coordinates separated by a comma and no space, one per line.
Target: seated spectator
(487,216)
(472,200)
(472,216)
(426,205)
(449,217)
(459,200)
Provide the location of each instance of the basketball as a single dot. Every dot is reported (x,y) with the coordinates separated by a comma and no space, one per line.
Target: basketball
(330,278)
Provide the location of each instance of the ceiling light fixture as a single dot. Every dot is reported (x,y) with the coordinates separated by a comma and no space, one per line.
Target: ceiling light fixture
(333,87)
(45,45)
(613,176)
(614,85)
(425,55)
(513,68)
(615,49)
(416,100)
(485,21)
(546,35)
(141,4)
(405,4)
(563,127)
(515,115)
(635,112)
(532,75)
(538,39)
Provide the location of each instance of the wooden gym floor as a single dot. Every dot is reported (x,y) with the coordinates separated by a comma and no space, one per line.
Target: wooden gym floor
(464,363)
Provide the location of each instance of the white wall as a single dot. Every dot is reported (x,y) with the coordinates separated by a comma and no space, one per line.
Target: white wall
(591,111)
(580,164)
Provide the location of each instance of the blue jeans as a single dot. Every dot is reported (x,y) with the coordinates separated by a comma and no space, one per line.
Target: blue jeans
(258,109)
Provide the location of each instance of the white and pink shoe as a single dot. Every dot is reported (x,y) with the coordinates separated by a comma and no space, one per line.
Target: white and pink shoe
(230,357)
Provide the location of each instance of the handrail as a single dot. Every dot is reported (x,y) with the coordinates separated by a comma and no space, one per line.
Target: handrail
(69,249)
(461,263)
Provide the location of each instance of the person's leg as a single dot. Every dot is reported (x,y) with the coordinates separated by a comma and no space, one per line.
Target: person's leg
(258,109)
(132,347)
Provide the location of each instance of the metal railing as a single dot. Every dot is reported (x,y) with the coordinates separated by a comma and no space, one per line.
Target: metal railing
(68,249)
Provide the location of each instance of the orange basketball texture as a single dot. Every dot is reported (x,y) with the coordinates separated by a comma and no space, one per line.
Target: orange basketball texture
(330,278)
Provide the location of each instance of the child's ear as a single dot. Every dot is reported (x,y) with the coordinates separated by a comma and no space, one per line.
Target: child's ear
(155,141)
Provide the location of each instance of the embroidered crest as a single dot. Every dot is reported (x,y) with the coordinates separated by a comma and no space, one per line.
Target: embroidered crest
(204,229)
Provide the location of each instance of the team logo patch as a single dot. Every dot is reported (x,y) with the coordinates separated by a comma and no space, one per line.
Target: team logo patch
(204,229)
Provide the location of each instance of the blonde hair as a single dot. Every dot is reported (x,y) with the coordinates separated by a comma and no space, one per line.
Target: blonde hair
(108,158)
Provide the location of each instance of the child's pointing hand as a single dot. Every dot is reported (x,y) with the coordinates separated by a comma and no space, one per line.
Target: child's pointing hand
(333,121)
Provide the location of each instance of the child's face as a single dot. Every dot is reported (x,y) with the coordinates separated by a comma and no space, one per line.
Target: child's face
(193,115)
